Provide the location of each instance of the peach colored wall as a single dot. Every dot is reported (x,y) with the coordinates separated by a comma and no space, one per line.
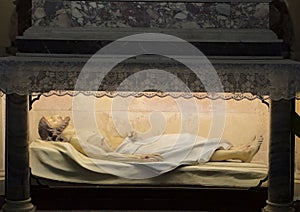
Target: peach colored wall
(1,138)
(297,160)
(244,119)
(297,149)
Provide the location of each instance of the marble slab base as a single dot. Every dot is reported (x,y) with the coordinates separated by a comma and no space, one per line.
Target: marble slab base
(178,15)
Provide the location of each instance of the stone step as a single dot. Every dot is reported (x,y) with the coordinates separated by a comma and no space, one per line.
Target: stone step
(212,42)
(112,34)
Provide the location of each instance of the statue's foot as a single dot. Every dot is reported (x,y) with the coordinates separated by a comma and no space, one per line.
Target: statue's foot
(244,146)
(250,151)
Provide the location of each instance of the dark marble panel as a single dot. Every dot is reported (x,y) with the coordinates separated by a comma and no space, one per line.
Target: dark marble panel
(250,15)
(51,13)
(150,14)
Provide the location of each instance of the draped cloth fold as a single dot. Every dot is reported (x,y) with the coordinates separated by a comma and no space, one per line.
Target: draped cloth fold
(176,150)
(59,161)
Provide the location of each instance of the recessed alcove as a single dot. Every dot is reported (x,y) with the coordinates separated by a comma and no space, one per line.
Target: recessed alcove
(55,40)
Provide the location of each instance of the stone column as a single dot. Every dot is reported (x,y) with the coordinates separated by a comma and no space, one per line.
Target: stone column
(17,172)
(281,170)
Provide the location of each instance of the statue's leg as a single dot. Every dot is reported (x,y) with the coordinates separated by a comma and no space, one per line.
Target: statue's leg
(281,170)
(17,172)
(244,154)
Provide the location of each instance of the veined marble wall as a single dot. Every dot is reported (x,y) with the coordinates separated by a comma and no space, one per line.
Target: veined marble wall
(6,11)
(297,161)
(294,6)
(150,14)
(297,149)
(2,141)
(2,128)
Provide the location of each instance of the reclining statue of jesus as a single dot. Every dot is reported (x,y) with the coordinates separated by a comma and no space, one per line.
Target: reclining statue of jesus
(191,148)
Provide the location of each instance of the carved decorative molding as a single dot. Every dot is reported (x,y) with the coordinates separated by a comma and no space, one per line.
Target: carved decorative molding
(280,79)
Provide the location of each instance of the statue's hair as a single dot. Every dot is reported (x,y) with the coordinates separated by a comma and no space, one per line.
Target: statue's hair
(49,133)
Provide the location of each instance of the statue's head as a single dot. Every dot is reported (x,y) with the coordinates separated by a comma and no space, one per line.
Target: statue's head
(50,128)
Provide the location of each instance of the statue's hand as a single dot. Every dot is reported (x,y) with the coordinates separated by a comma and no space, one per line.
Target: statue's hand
(260,139)
(150,157)
(132,136)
